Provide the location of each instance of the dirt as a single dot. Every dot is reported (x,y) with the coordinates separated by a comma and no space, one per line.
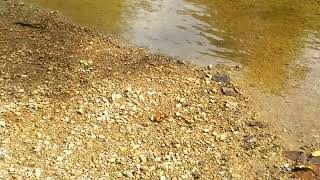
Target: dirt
(78,104)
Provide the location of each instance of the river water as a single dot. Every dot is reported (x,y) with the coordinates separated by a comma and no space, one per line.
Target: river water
(277,42)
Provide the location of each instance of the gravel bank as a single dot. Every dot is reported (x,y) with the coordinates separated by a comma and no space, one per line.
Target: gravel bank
(76,104)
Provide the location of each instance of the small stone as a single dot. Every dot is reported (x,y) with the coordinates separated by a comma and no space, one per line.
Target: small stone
(143,158)
(182,100)
(116,97)
(157,159)
(250,139)
(229,91)
(112,160)
(16,177)
(206,130)
(141,97)
(179,105)
(18,113)
(2,124)
(184,177)
(37,172)
(162,178)
(223,137)
(21,91)
(222,79)
(231,104)
(59,158)
(210,66)
(80,111)
(3,153)
(178,114)
(128,174)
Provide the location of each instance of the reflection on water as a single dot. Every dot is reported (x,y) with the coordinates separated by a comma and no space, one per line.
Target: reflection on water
(277,41)
(101,14)
(172,27)
(265,36)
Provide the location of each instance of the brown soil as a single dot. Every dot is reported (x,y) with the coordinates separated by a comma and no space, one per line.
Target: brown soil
(79,104)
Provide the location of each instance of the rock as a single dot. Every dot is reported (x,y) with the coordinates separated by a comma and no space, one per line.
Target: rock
(292,155)
(2,124)
(143,158)
(128,174)
(112,160)
(37,173)
(182,100)
(250,139)
(184,177)
(222,78)
(157,159)
(21,91)
(116,97)
(258,124)
(178,114)
(231,104)
(86,62)
(80,111)
(3,153)
(141,97)
(59,158)
(206,130)
(162,178)
(229,91)
(222,137)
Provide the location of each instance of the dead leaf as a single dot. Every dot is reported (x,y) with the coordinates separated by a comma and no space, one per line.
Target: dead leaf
(315,168)
(157,117)
(305,175)
(316,153)
(295,155)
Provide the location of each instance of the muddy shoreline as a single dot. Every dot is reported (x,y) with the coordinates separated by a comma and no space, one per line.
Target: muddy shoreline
(76,103)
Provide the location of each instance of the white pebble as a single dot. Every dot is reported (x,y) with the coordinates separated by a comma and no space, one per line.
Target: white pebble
(206,130)
(2,124)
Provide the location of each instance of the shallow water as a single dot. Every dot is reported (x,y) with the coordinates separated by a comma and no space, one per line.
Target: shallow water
(276,41)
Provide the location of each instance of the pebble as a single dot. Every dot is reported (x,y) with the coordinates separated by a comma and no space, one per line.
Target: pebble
(182,100)
(162,178)
(143,158)
(2,124)
(141,97)
(231,104)
(222,137)
(222,79)
(206,130)
(116,97)
(157,159)
(229,91)
(37,173)
(59,158)
(128,174)
(184,177)
(3,153)
(112,160)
